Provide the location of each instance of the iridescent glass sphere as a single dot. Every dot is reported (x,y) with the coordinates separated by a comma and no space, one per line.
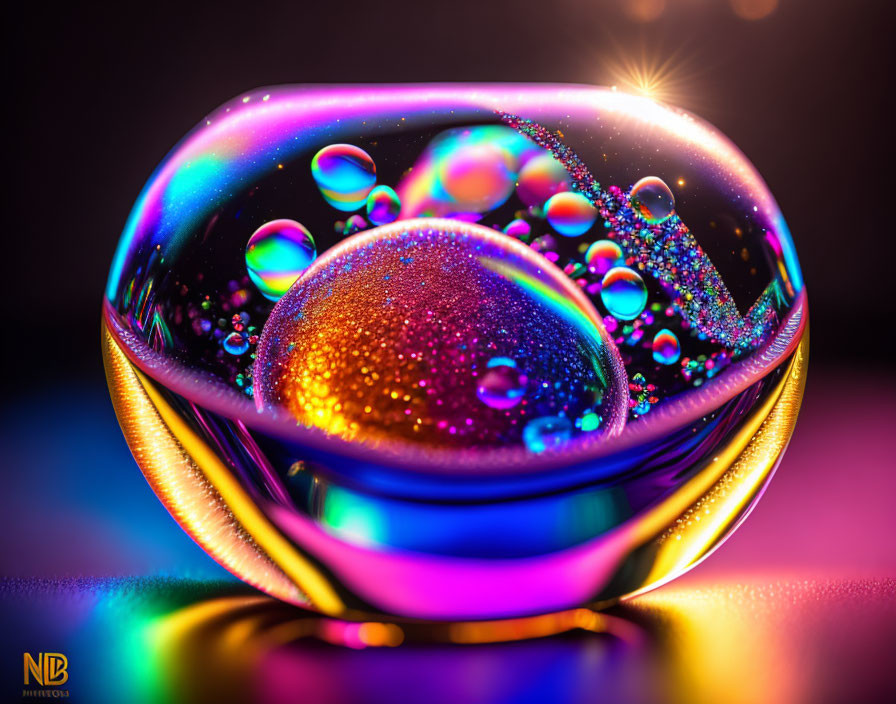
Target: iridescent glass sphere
(452,353)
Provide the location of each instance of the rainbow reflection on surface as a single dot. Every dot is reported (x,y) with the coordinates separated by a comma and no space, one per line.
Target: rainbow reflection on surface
(746,641)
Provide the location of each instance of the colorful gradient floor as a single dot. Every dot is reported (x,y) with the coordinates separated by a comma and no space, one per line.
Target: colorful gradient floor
(798,606)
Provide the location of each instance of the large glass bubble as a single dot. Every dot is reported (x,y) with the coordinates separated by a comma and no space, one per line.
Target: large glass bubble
(457,352)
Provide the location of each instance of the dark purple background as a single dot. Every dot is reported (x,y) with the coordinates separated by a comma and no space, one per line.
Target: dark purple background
(97,97)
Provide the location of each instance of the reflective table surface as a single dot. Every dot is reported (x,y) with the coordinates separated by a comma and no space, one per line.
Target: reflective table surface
(798,606)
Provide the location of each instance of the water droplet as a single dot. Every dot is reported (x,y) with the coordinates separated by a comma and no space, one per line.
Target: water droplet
(623,293)
(547,433)
(518,228)
(354,224)
(235,343)
(502,386)
(541,177)
(652,200)
(602,256)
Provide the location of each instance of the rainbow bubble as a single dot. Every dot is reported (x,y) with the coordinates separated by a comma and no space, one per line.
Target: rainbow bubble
(277,254)
(354,224)
(547,433)
(602,256)
(383,205)
(345,175)
(236,344)
(503,385)
(570,213)
(652,200)
(518,228)
(478,176)
(623,293)
(464,172)
(541,177)
(666,347)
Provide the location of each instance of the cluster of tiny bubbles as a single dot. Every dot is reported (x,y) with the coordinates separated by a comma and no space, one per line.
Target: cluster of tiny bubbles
(443,335)
(695,370)
(503,385)
(666,347)
(383,205)
(603,255)
(547,433)
(345,175)
(354,224)
(641,395)
(518,228)
(571,214)
(652,200)
(623,293)
(277,254)
(540,178)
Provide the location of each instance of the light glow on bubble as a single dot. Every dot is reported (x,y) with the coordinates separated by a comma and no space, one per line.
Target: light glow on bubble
(547,433)
(465,171)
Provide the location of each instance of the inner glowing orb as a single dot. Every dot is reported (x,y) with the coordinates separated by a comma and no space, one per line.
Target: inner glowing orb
(393,335)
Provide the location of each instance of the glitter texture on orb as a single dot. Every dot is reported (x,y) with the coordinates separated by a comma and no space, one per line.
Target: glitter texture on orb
(454,357)
(391,337)
(277,254)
